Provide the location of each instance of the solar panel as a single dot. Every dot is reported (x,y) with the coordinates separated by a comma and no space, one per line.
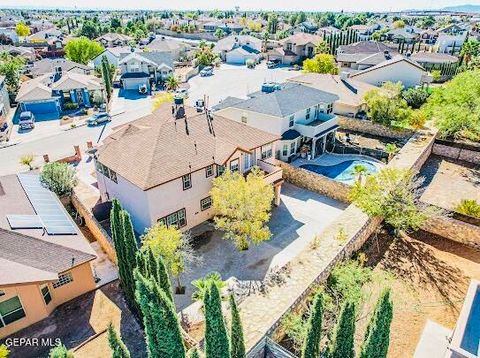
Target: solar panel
(47,206)
(24,221)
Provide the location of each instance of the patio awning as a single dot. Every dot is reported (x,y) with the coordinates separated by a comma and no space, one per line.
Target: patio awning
(321,134)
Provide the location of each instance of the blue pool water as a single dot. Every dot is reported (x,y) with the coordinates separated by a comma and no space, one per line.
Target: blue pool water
(471,336)
(343,171)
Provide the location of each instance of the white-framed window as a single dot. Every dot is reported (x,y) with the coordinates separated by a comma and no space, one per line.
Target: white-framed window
(63,279)
(307,113)
(11,310)
(234,165)
(47,297)
(206,203)
(293,147)
(187,181)
(209,171)
(220,170)
(285,150)
(178,219)
(291,121)
(266,151)
(105,171)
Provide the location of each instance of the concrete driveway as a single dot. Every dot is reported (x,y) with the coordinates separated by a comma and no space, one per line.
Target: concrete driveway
(301,215)
(236,81)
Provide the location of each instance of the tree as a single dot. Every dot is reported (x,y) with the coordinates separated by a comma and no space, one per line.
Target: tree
(377,335)
(237,343)
(205,55)
(359,170)
(322,47)
(417,119)
(321,63)
(399,24)
(194,353)
(415,97)
(10,67)
(158,272)
(59,178)
(342,345)
(311,345)
(27,160)
(4,351)
(202,285)
(219,33)
(161,98)
(470,49)
(21,29)
(436,76)
(386,106)
(89,29)
(60,351)
(391,194)
(119,349)
(127,260)
(162,329)
(216,339)
(468,207)
(242,207)
(106,76)
(115,23)
(82,50)
(5,40)
(391,149)
(174,248)
(172,83)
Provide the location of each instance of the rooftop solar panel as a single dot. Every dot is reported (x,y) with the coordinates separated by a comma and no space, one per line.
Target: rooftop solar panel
(24,222)
(47,206)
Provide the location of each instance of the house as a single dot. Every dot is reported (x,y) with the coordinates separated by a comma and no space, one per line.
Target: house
(301,115)
(212,26)
(43,264)
(407,34)
(237,49)
(41,37)
(161,166)
(350,92)
(397,69)
(307,27)
(295,48)
(113,39)
(113,55)
(46,96)
(27,52)
(429,36)
(144,68)
(176,48)
(10,33)
(364,32)
(433,60)
(59,65)
(363,54)
(451,38)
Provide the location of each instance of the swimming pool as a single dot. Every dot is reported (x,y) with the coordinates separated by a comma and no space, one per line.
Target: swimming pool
(344,171)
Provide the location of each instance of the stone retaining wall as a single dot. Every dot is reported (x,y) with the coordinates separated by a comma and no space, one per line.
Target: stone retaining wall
(369,127)
(315,182)
(454,230)
(457,152)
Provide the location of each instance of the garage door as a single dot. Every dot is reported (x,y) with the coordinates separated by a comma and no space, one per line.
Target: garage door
(134,83)
(235,59)
(43,110)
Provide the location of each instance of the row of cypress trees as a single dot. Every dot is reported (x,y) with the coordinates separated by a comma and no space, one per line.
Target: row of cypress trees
(377,335)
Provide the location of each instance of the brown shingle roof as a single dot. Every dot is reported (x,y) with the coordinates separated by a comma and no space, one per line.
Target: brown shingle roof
(156,149)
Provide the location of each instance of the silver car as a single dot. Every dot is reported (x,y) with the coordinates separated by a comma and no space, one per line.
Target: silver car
(98,118)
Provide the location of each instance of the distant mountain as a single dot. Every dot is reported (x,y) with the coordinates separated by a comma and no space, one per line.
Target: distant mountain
(463,8)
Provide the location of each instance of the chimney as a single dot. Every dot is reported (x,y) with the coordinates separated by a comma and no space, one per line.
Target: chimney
(344,75)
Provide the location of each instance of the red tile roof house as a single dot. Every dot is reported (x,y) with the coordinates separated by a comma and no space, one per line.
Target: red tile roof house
(161,166)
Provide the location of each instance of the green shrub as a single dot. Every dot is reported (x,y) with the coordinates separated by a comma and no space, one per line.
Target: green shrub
(59,178)
(469,207)
(70,106)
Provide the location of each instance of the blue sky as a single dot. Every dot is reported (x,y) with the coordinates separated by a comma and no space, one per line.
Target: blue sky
(312,5)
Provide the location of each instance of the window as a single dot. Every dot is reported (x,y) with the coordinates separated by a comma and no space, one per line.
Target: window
(47,297)
(105,171)
(234,165)
(178,219)
(289,46)
(209,171)
(206,203)
(63,279)
(291,121)
(285,150)
(220,170)
(266,151)
(187,181)
(330,108)
(292,148)
(307,114)
(244,118)
(11,310)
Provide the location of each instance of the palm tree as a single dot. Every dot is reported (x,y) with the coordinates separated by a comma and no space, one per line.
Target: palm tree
(27,160)
(359,170)
(172,83)
(470,48)
(391,149)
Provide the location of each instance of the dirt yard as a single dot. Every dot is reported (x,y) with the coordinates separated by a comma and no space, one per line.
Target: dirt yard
(429,279)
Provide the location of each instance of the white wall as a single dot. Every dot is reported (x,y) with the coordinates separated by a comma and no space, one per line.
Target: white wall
(402,71)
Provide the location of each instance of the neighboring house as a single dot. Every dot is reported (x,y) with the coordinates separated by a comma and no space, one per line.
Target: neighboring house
(144,68)
(10,33)
(113,55)
(47,95)
(451,38)
(350,92)
(27,52)
(231,28)
(42,37)
(433,60)
(237,49)
(113,39)
(328,30)
(42,266)
(363,54)
(176,48)
(364,32)
(212,26)
(295,48)
(300,115)
(429,36)
(397,69)
(407,34)
(161,166)
(307,27)
(59,65)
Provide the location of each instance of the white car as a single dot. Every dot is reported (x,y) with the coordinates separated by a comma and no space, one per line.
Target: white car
(182,92)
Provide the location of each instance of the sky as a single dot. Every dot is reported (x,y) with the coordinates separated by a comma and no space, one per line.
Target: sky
(309,5)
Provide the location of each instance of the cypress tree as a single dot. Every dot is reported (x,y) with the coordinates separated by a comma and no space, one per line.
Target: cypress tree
(106,76)
(60,351)
(311,345)
(237,344)
(140,263)
(129,251)
(116,227)
(377,336)
(162,330)
(151,264)
(157,270)
(216,339)
(119,349)
(343,341)
(194,353)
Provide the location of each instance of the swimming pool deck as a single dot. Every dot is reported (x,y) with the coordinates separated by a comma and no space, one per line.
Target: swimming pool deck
(328,159)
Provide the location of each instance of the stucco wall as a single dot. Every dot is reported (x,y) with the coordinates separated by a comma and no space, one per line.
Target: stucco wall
(369,127)
(454,230)
(457,153)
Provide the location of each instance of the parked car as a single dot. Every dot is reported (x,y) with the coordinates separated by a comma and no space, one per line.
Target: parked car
(206,71)
(26,120)
(181,92)
(272,64)
(142,89)
(5,130)
(98,118)
(200,104)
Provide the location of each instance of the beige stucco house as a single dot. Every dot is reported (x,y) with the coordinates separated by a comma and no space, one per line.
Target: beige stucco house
(161,166)
(39,269)
(295,48)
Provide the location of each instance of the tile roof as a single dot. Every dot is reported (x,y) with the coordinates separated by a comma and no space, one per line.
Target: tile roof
(36,89)
(154,58)
(394,60)
(113,36)
(303,38)
(232,41)
(364,47)
(433,57)
(157,148)
(227,102)
(48,65)
(71,80)
(162,44)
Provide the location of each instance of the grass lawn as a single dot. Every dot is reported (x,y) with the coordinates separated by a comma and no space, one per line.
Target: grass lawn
(430,276)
